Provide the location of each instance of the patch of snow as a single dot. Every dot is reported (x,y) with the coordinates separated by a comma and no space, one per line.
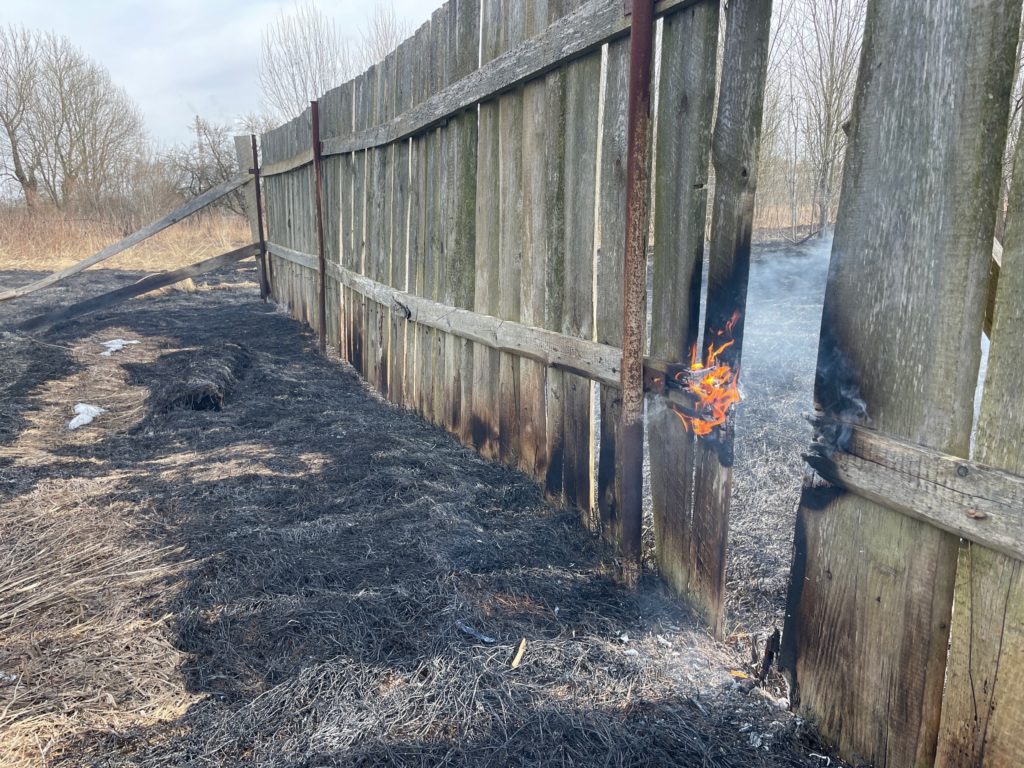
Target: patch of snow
(85,414)
(116,345)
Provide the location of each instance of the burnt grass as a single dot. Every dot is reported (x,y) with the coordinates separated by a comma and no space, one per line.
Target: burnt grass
(356,582)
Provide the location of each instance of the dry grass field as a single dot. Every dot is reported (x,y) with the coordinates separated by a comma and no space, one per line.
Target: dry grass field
(51,240)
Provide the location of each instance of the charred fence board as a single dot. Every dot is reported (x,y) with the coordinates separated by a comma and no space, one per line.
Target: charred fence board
(510,242)
(486,361)
(983,704)
(871,590)
(685,108)
(460,226)
(415,339)
(734,151)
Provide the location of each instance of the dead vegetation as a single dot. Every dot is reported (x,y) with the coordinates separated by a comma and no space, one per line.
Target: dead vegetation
(309,576)
(49,240)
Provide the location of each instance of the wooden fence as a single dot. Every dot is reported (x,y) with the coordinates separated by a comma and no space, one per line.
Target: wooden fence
(474,227)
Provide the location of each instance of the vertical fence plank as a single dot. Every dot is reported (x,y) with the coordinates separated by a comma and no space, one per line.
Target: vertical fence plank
(983,704)
(553,233)
(611,228)
(582,96)
(356,321)
(685,109)
(440,58)
(460,225)
(399,326)
(380,192)
(871,590)
(342,126)
(332,123)
(417,201)
(536,251)
(485,360)
(734,155)
(510,218)
(374,204)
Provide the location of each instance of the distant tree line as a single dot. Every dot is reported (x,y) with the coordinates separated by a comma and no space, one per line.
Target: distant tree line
(73,141)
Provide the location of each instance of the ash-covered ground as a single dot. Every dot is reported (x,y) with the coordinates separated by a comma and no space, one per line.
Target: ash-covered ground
(780,346)
(311,577)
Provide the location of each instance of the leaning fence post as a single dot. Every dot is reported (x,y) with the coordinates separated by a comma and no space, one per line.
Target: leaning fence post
(249,161)
(634,302)
(318,191)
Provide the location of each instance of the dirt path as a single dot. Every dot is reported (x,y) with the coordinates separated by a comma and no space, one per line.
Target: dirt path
(310,576)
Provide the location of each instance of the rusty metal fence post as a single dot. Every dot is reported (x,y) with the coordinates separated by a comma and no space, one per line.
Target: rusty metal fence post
(635,286)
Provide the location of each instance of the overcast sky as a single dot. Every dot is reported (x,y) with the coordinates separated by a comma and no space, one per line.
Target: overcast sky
(179,58)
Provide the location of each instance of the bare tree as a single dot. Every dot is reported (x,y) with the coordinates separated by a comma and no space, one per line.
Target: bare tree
(303,55)
(68,132)
(19,72)
(827,44)
(206,161)
(381,34)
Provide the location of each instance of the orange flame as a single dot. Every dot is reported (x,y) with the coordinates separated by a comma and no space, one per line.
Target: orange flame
(716,388)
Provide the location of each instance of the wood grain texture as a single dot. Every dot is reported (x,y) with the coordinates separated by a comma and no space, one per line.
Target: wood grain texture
(460,224)
(582,98)
(440,58)
(685,109)
(399,225)
(871,590)
(583,30)
(486,371)
(983,703)
(976,502)
(510,242)
(415,338)
(734,154)
(611,225)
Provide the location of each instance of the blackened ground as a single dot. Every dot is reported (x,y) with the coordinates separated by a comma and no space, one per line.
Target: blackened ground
(332,557)
(787,288)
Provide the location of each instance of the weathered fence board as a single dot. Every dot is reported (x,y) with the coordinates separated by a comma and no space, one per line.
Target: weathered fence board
(685,108)
(486,362)
(460,226)
(983,704)
(510,215)
(399,241)
(582,98)
(734,153)
(611,224)
(871,590)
